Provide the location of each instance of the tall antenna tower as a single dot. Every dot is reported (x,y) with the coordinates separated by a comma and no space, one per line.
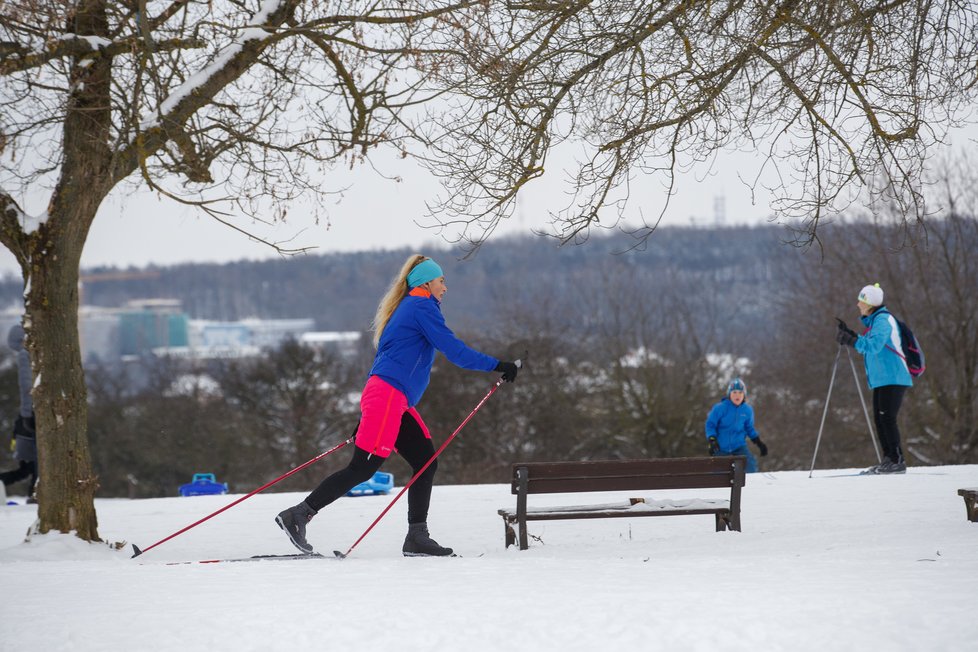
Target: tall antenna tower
(719,210)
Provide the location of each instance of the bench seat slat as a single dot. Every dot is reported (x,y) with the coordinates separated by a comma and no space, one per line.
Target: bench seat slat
(557,516)
(622,510)
(649,505)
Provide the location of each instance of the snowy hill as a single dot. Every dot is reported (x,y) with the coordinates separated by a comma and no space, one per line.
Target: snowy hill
(834,562)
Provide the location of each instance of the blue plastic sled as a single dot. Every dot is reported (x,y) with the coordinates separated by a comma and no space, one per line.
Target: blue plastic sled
(203,484)
(381,483)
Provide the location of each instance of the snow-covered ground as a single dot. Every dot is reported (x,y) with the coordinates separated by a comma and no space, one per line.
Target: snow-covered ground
(834,562)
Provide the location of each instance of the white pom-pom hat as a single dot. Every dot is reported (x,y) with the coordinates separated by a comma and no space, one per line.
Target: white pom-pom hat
(872,295)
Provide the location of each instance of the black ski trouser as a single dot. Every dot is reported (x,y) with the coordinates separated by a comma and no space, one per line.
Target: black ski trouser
(412,445)
(23,470)
(886,407)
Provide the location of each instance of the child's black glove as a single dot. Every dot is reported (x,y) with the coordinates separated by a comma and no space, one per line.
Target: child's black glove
(761,446)
(714,446)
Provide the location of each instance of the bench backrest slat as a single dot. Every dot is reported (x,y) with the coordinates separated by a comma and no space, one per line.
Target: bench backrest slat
(625,475)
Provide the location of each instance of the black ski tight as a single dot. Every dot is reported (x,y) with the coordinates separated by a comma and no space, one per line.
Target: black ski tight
(23,470)
(412,445)
(886,407)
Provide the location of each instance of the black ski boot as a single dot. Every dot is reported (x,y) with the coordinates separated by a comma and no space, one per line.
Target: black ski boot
(293,521)
(418,543)
(889,466)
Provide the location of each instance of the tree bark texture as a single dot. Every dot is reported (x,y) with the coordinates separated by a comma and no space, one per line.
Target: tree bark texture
(67,484)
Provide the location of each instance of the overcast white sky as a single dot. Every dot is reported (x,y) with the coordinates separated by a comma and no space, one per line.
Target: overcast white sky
(139,229)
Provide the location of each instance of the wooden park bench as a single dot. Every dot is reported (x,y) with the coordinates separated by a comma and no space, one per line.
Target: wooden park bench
(626,475)
(970,502)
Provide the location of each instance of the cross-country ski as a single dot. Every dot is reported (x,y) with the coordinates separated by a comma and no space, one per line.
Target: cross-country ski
(253,558)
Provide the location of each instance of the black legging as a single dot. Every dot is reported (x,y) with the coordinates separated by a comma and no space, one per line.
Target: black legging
(886,407)
(412,445)
(23,470)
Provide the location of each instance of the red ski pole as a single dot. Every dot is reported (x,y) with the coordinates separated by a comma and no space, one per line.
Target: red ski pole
(137,551)
(343,555)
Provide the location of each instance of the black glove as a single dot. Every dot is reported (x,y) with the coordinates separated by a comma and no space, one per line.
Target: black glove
(24,427)
(848,338)
(714,446)
(761,446)
(845,335)
(508,370)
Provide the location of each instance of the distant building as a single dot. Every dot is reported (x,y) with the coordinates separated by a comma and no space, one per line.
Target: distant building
(160,327)
(149,324)
(343,342)
(246,337)
(98,331)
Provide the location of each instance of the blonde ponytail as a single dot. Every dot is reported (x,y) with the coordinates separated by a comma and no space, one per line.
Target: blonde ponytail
(395,293)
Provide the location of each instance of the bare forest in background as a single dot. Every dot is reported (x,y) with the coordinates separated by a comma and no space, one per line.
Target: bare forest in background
(627,351)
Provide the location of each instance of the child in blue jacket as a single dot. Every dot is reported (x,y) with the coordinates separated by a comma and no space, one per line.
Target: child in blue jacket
(731,423)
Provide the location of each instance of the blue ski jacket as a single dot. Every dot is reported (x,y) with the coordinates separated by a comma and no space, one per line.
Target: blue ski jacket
(406,349)
(879,344)
(731,425)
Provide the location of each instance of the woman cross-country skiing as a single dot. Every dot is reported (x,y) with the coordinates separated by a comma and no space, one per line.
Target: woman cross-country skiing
(409,327)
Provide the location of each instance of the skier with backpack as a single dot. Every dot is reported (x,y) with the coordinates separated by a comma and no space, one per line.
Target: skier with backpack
(891,362)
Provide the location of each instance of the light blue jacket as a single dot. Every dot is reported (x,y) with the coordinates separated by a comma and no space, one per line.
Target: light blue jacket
(406,349)
(879,345)
(731,424)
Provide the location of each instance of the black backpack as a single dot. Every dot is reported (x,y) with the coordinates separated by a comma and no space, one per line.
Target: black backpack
(912,354)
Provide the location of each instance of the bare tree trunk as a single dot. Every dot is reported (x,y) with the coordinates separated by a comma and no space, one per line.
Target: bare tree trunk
(67,484)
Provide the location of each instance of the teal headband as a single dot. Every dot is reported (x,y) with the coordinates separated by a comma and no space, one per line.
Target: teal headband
(423,272)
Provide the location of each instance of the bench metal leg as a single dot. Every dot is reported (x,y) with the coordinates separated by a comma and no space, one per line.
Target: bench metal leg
(510,534)
(971,506)
(721,523)
(735,521)
(522,480)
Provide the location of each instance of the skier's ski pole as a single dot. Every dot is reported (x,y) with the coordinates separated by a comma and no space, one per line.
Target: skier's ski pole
(137,551)
(826,410)
(343,555)
(869,424)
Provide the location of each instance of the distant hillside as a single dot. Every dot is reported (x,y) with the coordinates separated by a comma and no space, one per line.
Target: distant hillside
(340,290)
